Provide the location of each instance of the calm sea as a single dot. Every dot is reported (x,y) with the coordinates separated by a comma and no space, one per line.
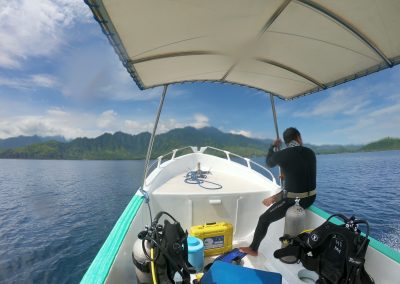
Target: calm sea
(55,215)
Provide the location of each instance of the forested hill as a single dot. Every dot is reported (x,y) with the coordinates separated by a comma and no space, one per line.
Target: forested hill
(125,146)
(382,145)
(22,141)
(122,146)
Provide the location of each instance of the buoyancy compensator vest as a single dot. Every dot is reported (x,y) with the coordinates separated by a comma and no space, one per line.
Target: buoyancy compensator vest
(169,243)
(335,252)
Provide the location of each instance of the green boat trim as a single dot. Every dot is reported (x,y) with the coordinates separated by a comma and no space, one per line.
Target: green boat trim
(384,249)
(100,267)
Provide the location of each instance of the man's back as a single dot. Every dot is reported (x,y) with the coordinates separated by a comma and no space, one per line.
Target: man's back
(298,165)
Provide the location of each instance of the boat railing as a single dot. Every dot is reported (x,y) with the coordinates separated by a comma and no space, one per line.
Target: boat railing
(170,156)
(214,152)
(242,161)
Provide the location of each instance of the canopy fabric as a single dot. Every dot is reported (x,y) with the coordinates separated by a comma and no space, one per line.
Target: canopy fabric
(288,48)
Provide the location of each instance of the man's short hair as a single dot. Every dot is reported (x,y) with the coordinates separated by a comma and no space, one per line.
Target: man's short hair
(290,134)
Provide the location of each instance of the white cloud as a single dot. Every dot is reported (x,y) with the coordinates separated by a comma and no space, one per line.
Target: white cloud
(44,80)
(371,126)
(107,119)
(48,29)
(69,125)
(242,132)
(200,121)
(48,122)
(343,101)
(164,125)
(132,126)
(35,28)
(29,82)
(168,124)
(14,83)
(386,112)
(57,112)
(72,124)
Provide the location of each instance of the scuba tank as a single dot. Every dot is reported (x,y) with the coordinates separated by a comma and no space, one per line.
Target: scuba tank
(161,251)
(141,262)
(295,222)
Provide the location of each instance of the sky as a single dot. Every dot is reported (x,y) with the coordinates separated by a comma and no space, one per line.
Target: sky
(60,76)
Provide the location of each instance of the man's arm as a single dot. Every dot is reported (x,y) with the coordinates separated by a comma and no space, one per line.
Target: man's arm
(273,154)
(273,199)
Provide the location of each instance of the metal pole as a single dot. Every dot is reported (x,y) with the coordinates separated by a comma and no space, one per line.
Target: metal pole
(150,148)
(276,130)
(274,114)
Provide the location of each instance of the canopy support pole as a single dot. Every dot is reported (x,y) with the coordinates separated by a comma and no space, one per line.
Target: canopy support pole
(276,130)
(150,148)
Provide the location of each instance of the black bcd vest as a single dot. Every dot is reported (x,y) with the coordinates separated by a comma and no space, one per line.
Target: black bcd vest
(335,252)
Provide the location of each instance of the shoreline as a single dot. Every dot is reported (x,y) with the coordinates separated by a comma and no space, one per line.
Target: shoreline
(142,159)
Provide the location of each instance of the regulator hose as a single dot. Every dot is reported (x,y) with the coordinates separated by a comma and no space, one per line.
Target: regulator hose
(153,267)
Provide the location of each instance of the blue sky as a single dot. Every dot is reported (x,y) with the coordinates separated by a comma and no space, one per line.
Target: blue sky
(60,76)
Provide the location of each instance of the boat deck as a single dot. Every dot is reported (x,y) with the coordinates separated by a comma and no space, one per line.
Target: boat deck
(229,183)
(267,262)
(230,193)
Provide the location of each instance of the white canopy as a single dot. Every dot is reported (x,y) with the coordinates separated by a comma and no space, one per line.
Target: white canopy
(287,48)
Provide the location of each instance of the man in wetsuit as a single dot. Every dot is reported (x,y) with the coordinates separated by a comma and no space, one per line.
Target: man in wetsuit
(298,166)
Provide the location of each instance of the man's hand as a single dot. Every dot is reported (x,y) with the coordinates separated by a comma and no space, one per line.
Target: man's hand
(269,201)
(277,143)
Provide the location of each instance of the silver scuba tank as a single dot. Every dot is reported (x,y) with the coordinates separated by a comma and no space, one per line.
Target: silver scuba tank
(295,223)
(140,257)
(144,276)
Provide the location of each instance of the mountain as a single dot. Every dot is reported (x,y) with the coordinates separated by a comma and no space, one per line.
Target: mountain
(119,146)
(209,136)
(22,141)
(334,149)
(122,146)
(382,145)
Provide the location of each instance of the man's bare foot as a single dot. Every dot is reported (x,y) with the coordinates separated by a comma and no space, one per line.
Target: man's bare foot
(249,251)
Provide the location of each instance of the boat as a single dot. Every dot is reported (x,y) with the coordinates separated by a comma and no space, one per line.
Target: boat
(287,49)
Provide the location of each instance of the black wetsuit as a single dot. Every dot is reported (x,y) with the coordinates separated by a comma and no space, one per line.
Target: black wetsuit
(298,165)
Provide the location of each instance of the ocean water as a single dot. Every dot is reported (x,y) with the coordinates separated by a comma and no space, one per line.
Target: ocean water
(55,215)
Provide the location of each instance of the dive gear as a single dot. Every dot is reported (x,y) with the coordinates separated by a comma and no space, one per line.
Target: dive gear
(335,252)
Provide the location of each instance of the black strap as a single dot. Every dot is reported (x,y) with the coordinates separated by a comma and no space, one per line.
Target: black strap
(288,251)
(142,266)
(309,262)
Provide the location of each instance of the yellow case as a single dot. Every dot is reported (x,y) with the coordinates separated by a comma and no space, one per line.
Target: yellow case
(217,237)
